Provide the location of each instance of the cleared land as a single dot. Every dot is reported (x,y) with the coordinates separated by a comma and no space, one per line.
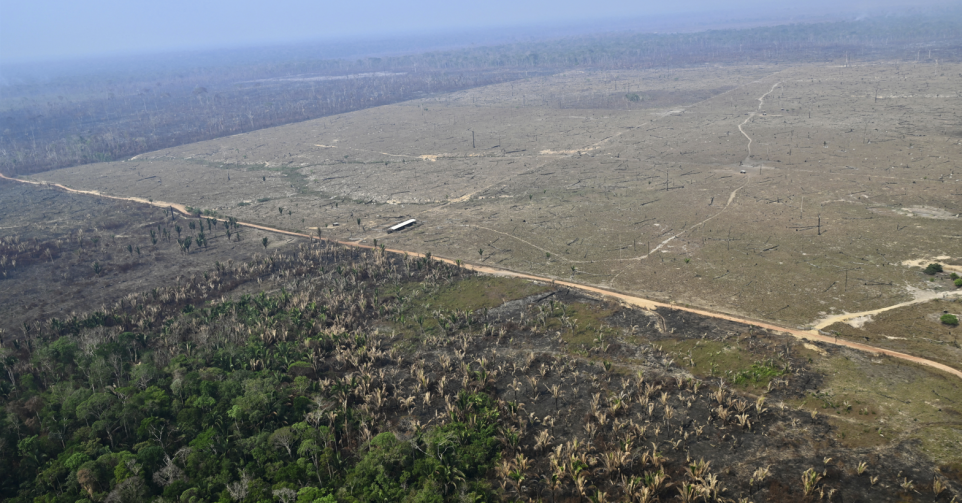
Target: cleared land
(912,329)
(642,196)
(63,255)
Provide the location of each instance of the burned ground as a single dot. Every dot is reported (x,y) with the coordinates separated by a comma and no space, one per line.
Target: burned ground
(63,254)
(567,396)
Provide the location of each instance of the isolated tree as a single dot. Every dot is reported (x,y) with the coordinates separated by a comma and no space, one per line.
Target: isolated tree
(283,438)
(264,242)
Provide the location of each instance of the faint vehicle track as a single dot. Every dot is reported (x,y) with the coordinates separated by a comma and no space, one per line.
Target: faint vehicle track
(761,101)
(627,299)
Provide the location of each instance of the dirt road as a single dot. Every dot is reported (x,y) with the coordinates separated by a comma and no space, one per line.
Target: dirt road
(627,299)
(761,101)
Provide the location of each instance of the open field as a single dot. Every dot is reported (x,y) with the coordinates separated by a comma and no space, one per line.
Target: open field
(849,174)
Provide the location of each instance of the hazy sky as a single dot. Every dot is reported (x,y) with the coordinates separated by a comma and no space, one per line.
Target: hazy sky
(66,29)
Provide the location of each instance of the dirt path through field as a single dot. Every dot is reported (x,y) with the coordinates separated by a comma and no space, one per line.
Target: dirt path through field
(627,299)
(761,101)
(922,297)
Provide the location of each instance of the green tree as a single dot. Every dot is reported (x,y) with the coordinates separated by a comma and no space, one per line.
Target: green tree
(314,495)
(383,473)
(30,449)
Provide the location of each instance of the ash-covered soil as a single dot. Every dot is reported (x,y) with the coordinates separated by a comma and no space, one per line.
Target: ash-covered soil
(63,254)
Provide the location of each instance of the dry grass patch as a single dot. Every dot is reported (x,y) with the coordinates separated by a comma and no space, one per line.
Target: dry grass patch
(913,329)
(878,401)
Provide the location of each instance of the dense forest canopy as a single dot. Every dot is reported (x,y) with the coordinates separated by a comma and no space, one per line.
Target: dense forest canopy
(238,399)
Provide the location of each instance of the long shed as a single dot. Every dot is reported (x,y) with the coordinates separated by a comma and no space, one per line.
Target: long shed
(403,225)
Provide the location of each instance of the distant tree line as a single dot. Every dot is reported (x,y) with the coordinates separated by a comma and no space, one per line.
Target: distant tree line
(117,123)
(102,115)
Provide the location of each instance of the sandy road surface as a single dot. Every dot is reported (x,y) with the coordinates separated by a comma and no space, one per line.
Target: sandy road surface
(627,299)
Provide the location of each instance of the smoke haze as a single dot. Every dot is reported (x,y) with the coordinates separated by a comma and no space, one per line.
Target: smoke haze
(64,29)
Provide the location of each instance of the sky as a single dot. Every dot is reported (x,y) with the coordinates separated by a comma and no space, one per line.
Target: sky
(39,30)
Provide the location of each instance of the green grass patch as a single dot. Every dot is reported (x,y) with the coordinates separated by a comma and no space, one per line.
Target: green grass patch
(738,365)
(758,373)
(480,292)
(878,402)
(581,324)
(423,303)
(705,357)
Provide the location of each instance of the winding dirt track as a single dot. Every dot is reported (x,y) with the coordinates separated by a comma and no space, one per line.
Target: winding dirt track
(627,299)
(761,101)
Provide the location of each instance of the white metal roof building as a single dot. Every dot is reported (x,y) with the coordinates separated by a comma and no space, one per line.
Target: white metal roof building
(403,225)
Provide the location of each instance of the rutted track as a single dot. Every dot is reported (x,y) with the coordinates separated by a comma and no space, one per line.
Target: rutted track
(761,101)
(627,299)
